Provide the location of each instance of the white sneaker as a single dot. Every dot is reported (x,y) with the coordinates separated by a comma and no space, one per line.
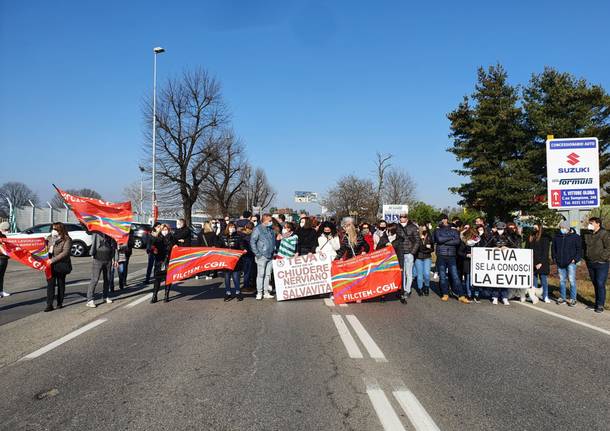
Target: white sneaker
(522,298)
(547,300)
(505,301)
(494,301)
(91,304)
(4,294)
(259,296)
(268,296)
(196,277)
(534,299)
(108,301)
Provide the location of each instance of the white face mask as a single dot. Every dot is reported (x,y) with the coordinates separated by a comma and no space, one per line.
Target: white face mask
(391,237)
(564,231)
(302,223)
(471,242)
(500,231)
(179,225)
(164,232)
(231,230)
(591,227)
(284,231)
(54,233)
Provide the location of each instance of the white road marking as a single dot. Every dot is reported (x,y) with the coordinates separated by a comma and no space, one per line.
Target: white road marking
(385,412)
(329,302)
(342,305)
(64,339)
(138,301)
(569,319)
(366,339)
(417,414)
(350,344)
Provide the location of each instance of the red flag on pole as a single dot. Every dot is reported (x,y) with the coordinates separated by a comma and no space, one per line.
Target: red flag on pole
(31,252)
(113,219)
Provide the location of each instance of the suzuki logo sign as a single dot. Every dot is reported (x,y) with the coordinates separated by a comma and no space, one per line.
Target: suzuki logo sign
(573,159)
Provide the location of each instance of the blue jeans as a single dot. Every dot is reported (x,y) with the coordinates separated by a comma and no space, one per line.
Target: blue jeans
(471,291)
(444,263)
(248,264)
(568,273)
(407,273)
(264,267)
(232,275)
(598,272)
(544,281)
(123,269)
(422,271)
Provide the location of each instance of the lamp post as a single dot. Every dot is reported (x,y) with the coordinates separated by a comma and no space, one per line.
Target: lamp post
(156,51)
(142,193)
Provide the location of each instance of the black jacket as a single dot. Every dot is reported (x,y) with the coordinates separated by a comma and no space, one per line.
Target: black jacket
(207,239)
(235,241)
(504,240)
(349,251)
(463,251)
(409,235)
(425,252)
(447,241)
(541,250)
(182,237)
(308,240)
(566,248)
(161,247)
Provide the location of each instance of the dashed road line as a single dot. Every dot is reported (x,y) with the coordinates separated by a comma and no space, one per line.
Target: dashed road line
(417,414)
(350,344)
(569,319)
(366,339)
(63,339)
(382,406)
(138,301)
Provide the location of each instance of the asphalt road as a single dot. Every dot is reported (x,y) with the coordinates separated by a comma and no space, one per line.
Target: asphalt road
(200,363)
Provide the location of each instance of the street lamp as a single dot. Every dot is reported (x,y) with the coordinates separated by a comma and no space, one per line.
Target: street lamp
(142,193)
(157,50)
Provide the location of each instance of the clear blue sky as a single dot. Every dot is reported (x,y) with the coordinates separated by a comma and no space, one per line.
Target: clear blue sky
(316,88)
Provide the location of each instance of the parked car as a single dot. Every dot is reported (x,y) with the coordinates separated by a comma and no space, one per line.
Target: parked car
(141,234)
(81,238)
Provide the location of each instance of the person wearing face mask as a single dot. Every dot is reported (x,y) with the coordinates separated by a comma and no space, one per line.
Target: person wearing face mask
(262,243)
(103,250)
(249,265)
(59,245)
(483,232)
(597,256)
(365,230)
(308,237)
(408,233)
(353,244)
(233,240)
(423,261)
(288,241)
(470,239)
(566,252)
(4,229)
(162,243)
(379,232)
(500,238)
(151,258)
(254,220)
(328,240)
(182,234)
(540,245)
(391,239)
(447,241)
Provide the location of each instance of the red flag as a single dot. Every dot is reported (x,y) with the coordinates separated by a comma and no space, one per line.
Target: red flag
(366,276)
(31,252)
(113,219)
(186,262)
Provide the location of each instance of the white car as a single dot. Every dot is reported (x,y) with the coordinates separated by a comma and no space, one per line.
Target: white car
(81,238)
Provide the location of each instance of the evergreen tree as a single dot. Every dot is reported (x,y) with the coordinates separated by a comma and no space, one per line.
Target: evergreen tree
(493,143)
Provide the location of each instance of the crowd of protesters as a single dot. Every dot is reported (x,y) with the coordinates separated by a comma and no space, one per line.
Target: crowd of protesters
(415,243)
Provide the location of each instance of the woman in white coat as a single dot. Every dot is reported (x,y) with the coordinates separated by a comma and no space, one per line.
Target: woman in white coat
(328,240)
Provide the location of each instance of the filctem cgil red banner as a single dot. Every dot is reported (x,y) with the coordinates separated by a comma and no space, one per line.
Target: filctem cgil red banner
(31,252)
(187,262)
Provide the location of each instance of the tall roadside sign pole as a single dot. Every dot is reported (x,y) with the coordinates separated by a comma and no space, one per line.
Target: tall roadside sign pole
(572,176)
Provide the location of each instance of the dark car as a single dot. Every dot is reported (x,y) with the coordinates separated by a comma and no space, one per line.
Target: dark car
(141,233)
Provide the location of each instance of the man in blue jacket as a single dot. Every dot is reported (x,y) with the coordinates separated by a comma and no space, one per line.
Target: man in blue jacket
(446,241)
(566,252)
(262,243)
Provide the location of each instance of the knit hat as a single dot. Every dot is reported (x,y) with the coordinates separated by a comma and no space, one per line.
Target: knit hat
(564,224)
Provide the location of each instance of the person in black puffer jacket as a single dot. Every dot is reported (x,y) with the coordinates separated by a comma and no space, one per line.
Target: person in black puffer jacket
(182,234)
(352,244)
(233,240)
(308,237)
(567,252)
(470,238)
(540,243)
(423,260)
(161,247)
(447,241)
(408,233)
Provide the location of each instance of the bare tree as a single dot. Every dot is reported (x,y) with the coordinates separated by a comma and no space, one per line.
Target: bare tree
(399,187)
(190,111)
(256,192)
(19,194)
(352,196)
(58,202)
(132,193)
(226,174)
(382,164)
